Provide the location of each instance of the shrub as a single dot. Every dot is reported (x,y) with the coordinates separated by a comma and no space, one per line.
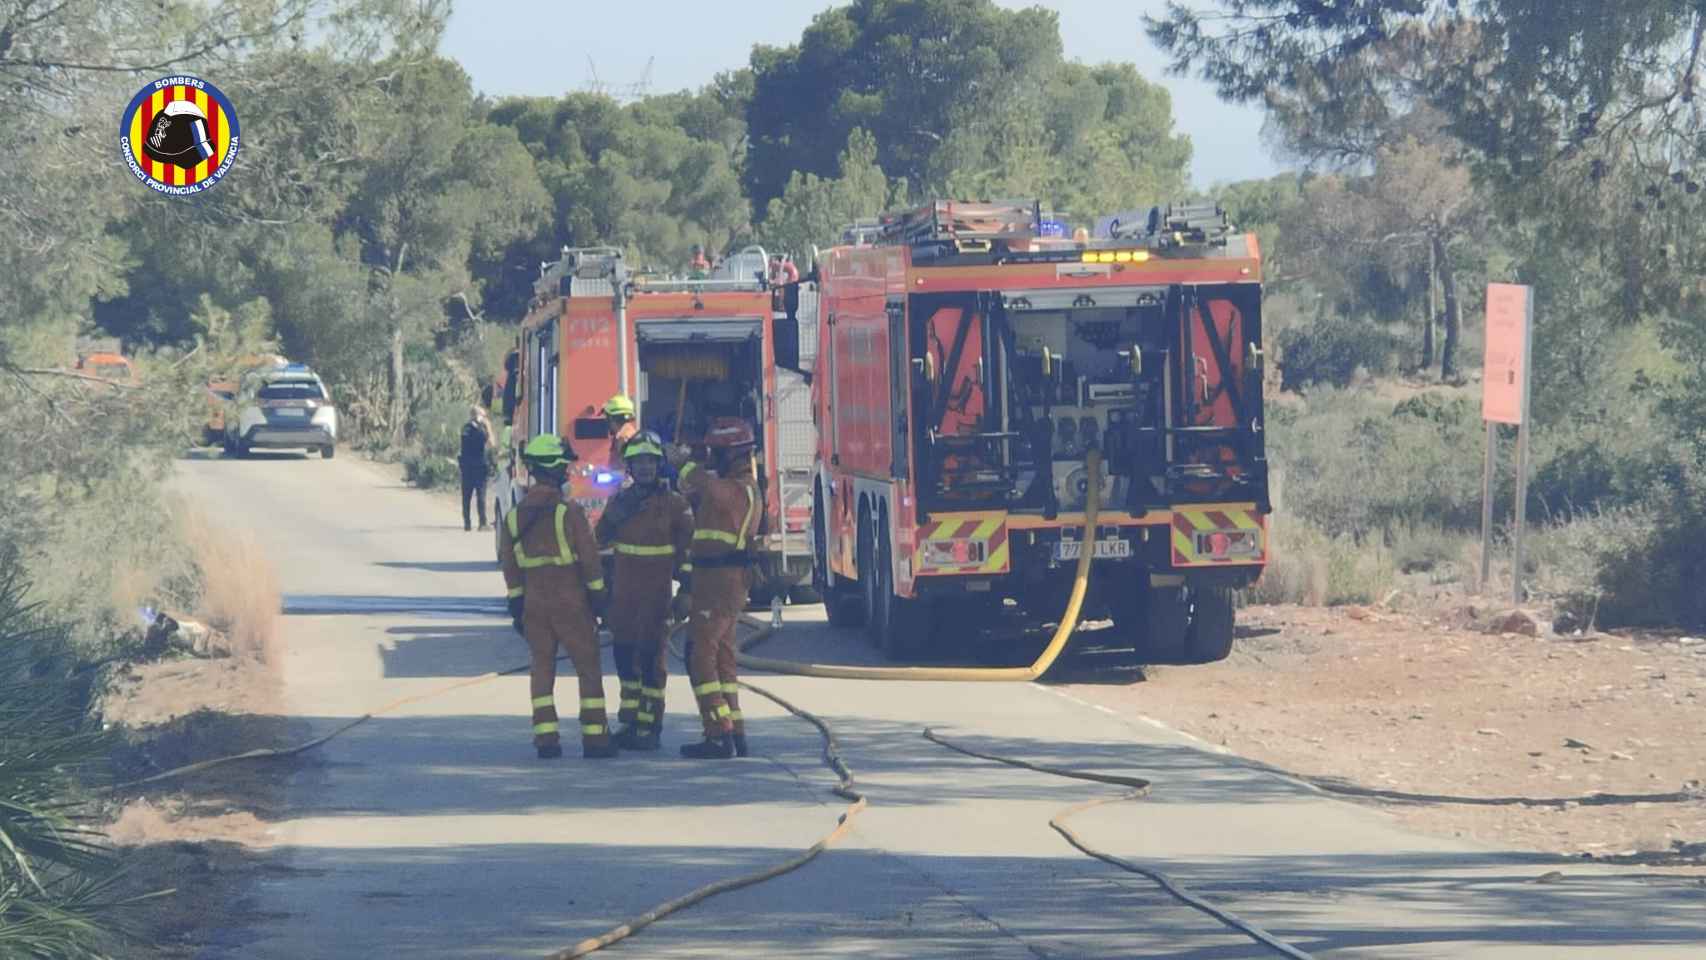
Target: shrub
(55,872)
(1298,568)
(429,470)
(1308,566)
(1332,350)
(1358,466)
(1651,569)
(1425,548)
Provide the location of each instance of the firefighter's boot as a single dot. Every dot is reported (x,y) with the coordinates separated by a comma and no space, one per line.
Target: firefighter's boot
(630,704)
(597,751)
(549,751)
(647,732)
(737,720)
(710,748)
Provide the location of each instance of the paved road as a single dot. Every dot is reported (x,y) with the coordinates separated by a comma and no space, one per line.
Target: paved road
(434,833)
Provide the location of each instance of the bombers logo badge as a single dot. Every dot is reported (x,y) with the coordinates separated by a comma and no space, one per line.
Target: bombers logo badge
(179,135)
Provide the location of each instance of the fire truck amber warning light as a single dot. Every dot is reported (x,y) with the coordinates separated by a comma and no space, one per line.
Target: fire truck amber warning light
(1115,256)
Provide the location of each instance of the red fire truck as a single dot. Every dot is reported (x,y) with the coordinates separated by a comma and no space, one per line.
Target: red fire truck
(685,350)
(968,356)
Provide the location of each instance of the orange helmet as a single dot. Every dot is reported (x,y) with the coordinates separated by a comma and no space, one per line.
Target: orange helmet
(730,433)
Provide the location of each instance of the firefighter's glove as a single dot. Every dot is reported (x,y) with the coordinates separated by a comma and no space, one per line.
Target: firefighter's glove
(600,602)
(681,606)
(515,608)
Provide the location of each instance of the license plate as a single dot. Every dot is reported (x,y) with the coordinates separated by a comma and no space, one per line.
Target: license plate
(290,412)
(1105,550)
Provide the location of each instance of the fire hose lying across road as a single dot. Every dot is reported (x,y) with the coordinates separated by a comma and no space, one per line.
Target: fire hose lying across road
(846,788)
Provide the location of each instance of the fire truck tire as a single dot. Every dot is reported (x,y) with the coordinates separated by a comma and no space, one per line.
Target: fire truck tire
(905,624)
(760,596)
(843,604)
(1209,639)
(846,608)
(1157,621)
(869,580)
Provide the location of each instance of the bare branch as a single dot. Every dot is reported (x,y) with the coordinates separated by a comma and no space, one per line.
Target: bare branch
(71,374)
(52,405)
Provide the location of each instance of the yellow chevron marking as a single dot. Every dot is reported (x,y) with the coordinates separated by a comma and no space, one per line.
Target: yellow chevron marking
(1183,544)
(1198,519)
(986,529)
(998,560)
(946,529)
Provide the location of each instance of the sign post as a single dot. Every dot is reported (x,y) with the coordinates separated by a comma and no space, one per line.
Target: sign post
(1504,399)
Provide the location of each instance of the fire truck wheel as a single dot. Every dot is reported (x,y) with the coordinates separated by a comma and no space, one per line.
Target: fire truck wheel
(845,607)
(842,603)
(1210,637)
(760,596)
(1156,621)
(905,623)
(869,581)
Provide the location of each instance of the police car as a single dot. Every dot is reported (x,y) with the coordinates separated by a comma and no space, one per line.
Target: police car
(281,407)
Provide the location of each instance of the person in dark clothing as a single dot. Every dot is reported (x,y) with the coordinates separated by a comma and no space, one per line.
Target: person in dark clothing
(472,461)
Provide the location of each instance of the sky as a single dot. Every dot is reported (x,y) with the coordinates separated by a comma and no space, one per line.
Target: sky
(551,47)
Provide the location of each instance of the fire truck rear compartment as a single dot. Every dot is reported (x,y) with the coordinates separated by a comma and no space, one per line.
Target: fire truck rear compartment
(1012,388)
(719,360)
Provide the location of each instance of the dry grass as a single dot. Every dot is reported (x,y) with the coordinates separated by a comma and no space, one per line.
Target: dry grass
(1297,570)
(239,586)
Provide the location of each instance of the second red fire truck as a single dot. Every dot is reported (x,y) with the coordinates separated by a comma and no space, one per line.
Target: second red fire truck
(685,351)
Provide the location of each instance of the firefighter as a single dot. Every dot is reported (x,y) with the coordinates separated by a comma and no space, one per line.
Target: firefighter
(726,508)
(556,586)
(649,527)
(619,419)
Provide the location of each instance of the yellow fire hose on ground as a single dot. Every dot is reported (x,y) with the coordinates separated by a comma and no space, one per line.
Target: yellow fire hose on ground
(1062,633)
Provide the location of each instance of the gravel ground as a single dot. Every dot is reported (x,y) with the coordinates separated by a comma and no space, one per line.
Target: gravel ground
(1437,704)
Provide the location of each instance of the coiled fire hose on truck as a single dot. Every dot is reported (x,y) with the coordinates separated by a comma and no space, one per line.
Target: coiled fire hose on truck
(1057,643)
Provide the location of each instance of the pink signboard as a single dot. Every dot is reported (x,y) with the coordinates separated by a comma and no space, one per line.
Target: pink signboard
(1510,319)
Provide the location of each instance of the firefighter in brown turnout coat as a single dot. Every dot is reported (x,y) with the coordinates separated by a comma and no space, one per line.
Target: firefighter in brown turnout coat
(648,527)
(556,587)
(726,509)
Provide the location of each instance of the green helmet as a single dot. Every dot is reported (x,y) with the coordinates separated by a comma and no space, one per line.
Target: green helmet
(546,453)
(643,444)
(619,406)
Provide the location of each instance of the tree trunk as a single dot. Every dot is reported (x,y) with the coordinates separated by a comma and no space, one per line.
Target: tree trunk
(399,396)
(1453,311)
(1433,310)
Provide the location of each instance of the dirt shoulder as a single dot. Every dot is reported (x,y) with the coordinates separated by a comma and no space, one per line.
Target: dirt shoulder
(204,836)
(1436,704)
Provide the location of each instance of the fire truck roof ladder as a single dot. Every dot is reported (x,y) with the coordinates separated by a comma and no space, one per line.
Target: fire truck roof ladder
(579,263)
(1179,224)
(963,225)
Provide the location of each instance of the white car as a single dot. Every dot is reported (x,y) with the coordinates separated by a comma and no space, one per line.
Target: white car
(286,406)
